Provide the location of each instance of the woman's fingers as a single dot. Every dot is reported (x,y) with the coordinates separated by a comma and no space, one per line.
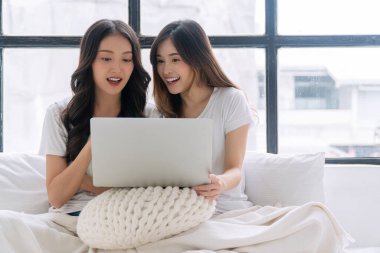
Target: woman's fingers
(99,190)
(206,187)
(210,191)
(209,195)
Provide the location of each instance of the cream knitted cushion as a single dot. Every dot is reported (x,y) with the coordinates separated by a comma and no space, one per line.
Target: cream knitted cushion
(122,218)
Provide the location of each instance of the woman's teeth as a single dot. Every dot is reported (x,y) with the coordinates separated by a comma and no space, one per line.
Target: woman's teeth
(172,79)
(114,79)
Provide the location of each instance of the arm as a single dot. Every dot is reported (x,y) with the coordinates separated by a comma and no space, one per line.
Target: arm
(63,181)
(235,145)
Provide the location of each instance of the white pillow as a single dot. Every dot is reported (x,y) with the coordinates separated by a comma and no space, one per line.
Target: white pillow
(285,180)
(123,218)
(22,183)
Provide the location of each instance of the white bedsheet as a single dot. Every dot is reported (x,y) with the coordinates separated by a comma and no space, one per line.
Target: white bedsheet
(303,229)
(363,250)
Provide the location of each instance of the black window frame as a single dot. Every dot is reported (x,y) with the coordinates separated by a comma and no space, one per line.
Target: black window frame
(270,41)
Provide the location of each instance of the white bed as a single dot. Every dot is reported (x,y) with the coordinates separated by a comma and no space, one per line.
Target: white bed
(271,180)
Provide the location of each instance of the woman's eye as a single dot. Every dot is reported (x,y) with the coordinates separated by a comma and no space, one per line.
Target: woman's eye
(176,60)
(127,60)
(105,58)
(159,61)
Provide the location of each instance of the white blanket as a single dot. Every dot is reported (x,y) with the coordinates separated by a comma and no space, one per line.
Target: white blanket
(303,229)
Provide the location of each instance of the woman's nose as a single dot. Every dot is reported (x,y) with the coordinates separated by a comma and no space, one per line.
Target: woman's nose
(167,68)
(116,66)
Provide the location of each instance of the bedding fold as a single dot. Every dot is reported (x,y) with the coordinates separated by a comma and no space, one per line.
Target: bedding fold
(310,228)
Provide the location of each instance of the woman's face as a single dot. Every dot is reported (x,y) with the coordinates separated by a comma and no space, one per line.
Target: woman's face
(113,65)
(177,75)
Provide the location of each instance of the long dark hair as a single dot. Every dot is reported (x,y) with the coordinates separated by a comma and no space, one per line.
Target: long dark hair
(76,117)
(194,47)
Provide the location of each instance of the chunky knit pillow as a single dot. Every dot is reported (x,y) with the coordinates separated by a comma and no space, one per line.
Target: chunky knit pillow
(123,218)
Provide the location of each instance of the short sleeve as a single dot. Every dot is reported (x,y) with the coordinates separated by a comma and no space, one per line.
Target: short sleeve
(54,134)
(237,111)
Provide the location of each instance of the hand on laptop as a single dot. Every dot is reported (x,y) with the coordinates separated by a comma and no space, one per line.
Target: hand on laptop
(87,185)
(212,190)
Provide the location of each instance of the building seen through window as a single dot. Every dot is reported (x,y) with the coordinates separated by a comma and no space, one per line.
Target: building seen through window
(333,110)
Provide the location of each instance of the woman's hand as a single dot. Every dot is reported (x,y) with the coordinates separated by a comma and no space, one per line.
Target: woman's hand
(212,190)
(99,190)
(87,185)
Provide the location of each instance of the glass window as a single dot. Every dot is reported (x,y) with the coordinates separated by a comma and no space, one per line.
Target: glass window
(217,17)
(324,103)
(327,103)
(58,17)
(145,54)
(328,17)
(33,79)
(242,66)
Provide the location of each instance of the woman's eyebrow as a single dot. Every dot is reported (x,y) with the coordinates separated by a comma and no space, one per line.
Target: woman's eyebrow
(110,51)
(172,54)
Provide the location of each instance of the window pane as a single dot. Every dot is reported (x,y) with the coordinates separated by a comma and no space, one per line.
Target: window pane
(33,79)
(328,103)
(59,17)
(328,17)
(217,17)
(241,66)
(148,67)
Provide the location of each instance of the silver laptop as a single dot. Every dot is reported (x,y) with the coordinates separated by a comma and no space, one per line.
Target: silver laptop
(141,152)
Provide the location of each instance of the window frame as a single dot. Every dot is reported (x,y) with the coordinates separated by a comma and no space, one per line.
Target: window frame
(270,41)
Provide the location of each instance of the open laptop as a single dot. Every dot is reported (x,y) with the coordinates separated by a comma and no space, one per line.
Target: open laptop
(141,152)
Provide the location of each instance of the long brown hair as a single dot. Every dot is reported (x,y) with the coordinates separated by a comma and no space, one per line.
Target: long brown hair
(76,116)
(194,47)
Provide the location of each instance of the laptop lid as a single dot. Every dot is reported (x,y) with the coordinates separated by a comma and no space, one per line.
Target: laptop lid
(141,152)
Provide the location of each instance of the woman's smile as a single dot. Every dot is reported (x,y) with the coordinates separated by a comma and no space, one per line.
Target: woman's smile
(172,80)
(114,81)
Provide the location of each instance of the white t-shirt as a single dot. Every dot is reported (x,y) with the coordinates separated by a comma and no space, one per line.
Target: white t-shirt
(229,110)
(53,142)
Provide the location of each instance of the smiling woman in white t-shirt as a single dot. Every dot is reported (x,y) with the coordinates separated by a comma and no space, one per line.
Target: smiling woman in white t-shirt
(189,83)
